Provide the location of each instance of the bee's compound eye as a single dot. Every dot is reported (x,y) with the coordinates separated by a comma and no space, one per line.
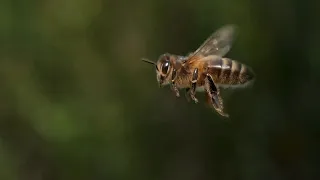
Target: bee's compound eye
(165,67)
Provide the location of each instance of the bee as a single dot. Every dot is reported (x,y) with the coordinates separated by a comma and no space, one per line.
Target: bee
(205,70)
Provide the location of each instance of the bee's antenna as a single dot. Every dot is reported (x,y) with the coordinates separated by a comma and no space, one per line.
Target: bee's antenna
(148,61)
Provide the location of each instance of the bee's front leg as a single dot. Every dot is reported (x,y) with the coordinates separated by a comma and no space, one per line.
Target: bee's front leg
(194,85)
(213,95)
(187,94)
(173,85)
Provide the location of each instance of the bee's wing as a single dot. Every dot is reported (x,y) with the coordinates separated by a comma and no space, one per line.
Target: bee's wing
(219,43)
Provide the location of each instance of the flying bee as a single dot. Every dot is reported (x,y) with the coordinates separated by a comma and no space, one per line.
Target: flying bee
(205,70)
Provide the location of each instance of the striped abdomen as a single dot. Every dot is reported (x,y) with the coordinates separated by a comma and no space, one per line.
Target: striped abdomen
(227,72)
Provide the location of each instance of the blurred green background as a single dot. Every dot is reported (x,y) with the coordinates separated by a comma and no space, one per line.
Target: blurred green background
(76,102)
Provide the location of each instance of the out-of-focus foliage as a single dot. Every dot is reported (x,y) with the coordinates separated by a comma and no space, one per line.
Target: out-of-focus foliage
(76,102)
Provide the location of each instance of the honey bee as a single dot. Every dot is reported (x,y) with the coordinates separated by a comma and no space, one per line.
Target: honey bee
(205,70)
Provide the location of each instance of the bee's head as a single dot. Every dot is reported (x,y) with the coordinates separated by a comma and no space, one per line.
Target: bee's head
(163,69)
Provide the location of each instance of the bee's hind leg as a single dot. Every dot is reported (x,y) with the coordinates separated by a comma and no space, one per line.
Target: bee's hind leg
(173,85)
(213,95)
(194,85)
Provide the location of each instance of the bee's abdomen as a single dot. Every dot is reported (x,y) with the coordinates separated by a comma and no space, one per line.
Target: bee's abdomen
(230,72)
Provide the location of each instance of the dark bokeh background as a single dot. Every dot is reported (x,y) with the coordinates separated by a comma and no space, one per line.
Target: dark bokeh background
(76,102)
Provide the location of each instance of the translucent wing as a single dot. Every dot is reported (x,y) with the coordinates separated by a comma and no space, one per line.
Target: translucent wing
(219,43)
